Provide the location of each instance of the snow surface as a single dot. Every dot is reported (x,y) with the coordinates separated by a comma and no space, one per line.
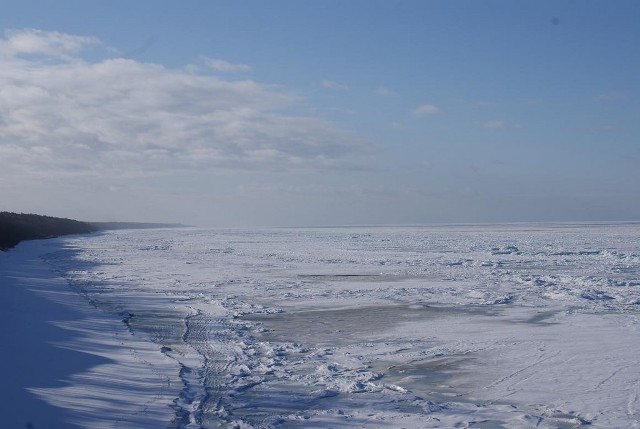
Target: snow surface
(66,364)
(461,326)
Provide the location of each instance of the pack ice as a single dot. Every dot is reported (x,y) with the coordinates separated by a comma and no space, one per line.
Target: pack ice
(513,326)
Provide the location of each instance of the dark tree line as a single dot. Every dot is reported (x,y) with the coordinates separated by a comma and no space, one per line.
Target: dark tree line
(15,228)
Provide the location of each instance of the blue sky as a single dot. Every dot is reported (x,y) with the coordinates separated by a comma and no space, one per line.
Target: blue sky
(252,113)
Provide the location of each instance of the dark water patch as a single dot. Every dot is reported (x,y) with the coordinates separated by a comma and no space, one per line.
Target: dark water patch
(330,327)
(425,378)
(542,317)
(262,405)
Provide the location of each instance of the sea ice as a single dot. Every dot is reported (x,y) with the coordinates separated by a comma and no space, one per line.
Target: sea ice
(458,326)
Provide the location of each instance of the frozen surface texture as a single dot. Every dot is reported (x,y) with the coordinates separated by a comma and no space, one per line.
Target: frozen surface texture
(466,326)
(66,364)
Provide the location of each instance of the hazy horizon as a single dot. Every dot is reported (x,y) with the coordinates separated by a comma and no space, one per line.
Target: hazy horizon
(241,114)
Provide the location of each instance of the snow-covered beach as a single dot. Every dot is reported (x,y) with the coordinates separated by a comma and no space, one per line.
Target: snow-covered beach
(531,325)
(66,364)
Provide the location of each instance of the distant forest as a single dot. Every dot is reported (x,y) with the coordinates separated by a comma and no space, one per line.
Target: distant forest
(15,228)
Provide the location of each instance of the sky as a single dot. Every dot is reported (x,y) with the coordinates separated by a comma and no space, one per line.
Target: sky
(316,113)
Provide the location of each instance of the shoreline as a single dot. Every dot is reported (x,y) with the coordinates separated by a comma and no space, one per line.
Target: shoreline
(18,227)
(69,365)
(30,357)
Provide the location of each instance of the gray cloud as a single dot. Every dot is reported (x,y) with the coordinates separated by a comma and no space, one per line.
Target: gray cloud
(63,115)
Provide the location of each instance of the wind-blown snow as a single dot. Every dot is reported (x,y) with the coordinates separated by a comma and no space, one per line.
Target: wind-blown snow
(66,364)
(466,326)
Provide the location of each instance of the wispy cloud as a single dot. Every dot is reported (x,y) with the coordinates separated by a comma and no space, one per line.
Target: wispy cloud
(610,96)
(225,66)
(330,84)
(495,124)
(424,110)
(498,124)
(37,42)
(119,117)
(385,92)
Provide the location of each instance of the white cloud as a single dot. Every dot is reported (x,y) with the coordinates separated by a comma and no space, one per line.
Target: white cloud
(495,124)
(498,124)
(120,117)
(38,42)
(225,66)
(425,109)
(610,96)
(329,84)
(385,92)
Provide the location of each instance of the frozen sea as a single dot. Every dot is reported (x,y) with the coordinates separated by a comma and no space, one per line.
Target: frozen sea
(515,326)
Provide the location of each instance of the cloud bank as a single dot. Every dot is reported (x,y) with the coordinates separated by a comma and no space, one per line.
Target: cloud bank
(64,115)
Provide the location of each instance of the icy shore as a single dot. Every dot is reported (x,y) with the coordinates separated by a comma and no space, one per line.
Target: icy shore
(66,364)
(476,326)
